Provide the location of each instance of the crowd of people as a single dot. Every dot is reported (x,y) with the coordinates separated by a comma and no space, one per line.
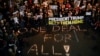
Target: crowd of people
(26,14)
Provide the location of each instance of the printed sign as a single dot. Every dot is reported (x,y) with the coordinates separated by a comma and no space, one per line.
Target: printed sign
(66,20)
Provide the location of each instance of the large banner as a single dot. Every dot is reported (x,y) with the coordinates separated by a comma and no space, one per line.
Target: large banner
(66,20)
(56,41)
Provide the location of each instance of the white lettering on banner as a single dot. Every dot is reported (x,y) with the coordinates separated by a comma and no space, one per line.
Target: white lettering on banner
(47,37)
(56,28)
(35,49)
(57,38)
(66,48)
(42,51)
(66,20)
(53,49)
(58,35)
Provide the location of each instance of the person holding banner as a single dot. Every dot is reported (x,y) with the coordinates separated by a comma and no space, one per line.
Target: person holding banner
(69,15)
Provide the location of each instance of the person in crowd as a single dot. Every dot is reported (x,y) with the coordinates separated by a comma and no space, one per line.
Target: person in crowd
(97,25)
(50,13)
(45,3)
(36,2)
(67,5)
